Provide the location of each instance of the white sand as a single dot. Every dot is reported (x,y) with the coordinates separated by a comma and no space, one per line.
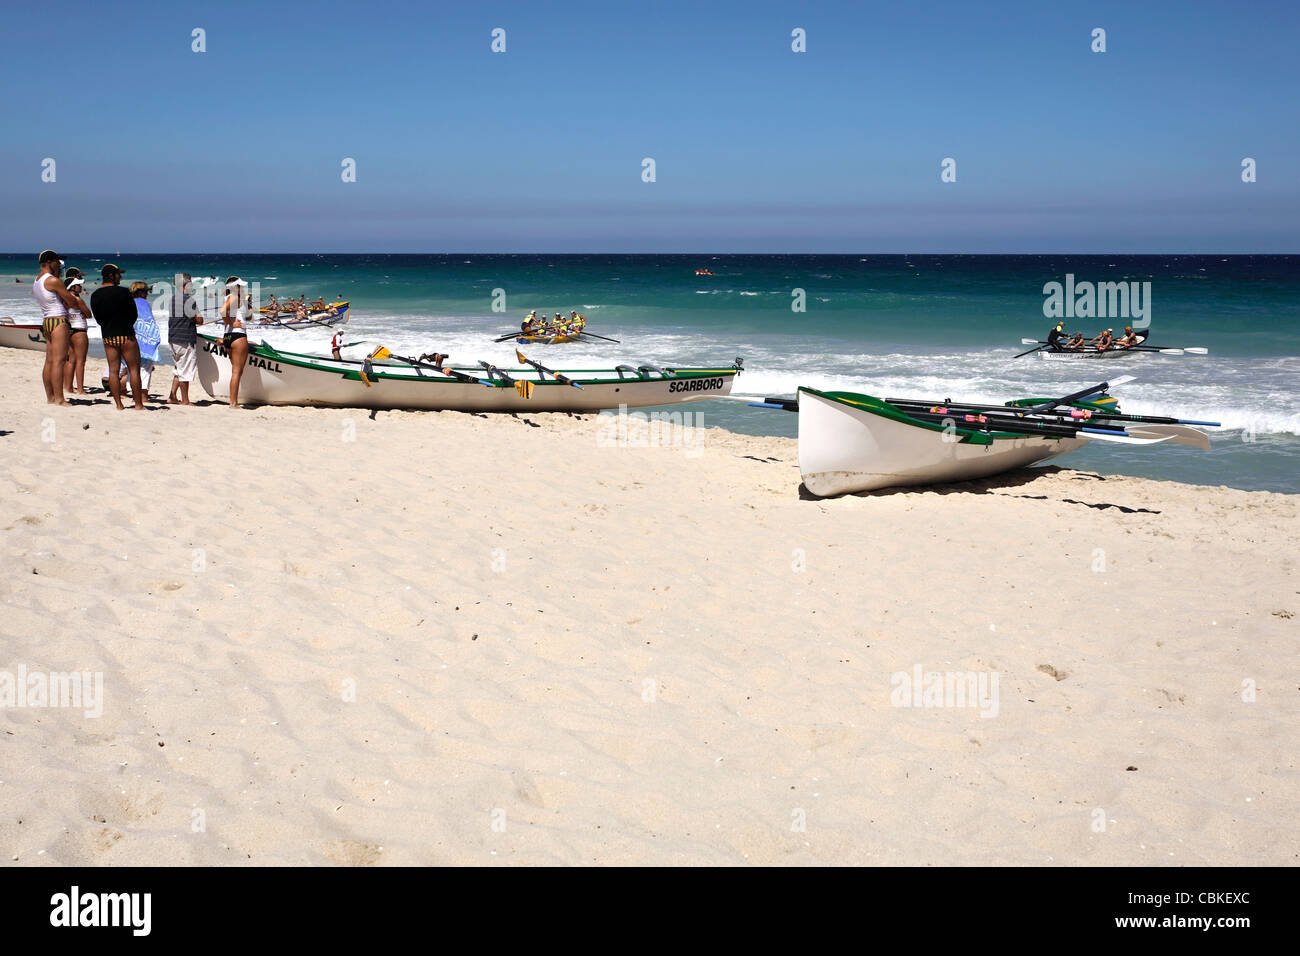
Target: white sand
(619,655)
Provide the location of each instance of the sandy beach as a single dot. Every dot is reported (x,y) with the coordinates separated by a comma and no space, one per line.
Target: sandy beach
(331,636)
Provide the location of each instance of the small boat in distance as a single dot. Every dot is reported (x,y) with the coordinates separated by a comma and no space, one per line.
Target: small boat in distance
(703,272)
(335,314)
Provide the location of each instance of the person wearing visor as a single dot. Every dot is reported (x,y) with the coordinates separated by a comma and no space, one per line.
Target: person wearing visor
(74,376)
(55,301)
(114,310)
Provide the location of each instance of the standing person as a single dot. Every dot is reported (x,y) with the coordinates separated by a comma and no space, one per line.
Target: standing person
(146,334)
(234,313)
(55,300)
(78,339)
(182,337)
(115,311)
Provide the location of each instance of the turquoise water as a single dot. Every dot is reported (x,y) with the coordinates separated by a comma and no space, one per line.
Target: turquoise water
(920,325)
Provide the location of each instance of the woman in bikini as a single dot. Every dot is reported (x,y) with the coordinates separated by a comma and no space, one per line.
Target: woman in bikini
(78,339)
(234,313)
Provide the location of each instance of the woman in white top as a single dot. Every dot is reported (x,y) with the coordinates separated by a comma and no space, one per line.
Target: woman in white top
(234,313)
(54,299)
(78,338)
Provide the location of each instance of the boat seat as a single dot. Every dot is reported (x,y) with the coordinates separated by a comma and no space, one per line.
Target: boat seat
(643,371)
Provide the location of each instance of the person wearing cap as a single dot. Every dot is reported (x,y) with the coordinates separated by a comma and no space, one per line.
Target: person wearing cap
(234,313)
(1128,339)
(183,338)
(1104,341)
(1054,337)
(78,339)
(115,312)
(1076,343)
(55,301)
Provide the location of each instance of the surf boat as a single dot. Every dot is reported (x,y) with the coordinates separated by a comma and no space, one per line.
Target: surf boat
(850,442)
(21,336)
(336,314)
(543,339)
(276,377)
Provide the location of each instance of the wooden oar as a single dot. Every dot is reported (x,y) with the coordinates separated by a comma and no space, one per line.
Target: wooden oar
(1121,439)
(558,376)
(1039,348)
(1189,349)
(1177,434)
(1092,415)
(1082,393)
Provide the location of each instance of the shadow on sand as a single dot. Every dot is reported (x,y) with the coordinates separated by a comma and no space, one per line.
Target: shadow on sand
(1019,478)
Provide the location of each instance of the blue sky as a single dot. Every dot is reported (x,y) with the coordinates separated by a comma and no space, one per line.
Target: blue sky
(757,148)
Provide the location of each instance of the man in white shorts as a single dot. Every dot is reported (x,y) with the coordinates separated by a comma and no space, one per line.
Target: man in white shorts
(182,337)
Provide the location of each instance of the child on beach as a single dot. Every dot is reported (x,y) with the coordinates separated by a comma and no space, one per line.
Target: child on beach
(146,334)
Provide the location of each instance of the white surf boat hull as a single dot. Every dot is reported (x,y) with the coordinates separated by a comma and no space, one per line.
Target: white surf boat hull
(1051,356)
(22,337)
(846,448)
(273,377)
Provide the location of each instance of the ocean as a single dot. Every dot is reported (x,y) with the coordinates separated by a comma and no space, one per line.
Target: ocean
(926,326)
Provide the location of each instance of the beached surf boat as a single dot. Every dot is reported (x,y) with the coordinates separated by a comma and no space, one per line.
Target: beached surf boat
(275,377)
(21,336)
(850,442)
(336,314)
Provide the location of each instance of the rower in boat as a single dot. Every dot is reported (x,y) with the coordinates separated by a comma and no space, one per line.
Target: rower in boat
(318,305)
(1104,341)
(273,307)
(1054,337)
(1076,343)
(1129,338)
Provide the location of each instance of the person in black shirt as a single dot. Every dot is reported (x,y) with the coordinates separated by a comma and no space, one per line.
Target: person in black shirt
(115,312)
(1054,337)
